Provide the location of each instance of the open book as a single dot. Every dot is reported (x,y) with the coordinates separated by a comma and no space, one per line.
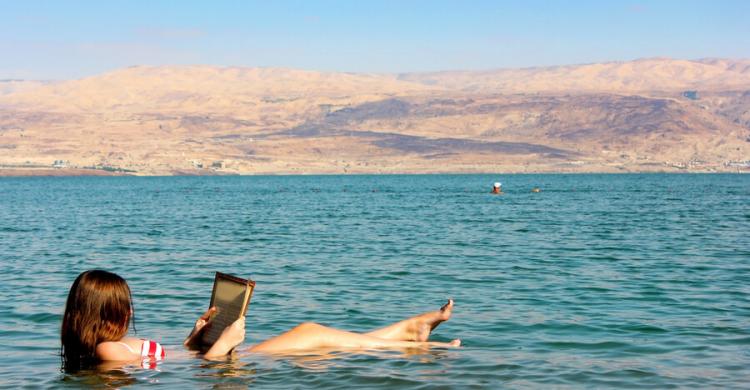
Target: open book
(231,296)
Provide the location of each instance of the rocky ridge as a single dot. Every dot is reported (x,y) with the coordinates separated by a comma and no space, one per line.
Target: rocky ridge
(643,115)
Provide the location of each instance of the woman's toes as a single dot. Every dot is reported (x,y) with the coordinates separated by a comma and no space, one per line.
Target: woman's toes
(446,310)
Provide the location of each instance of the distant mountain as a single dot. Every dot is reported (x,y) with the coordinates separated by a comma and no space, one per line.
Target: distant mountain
(651,74)
(184,88)
(644,115)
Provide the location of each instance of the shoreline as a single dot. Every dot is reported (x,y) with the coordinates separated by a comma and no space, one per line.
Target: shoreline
(79,172)
(56,172)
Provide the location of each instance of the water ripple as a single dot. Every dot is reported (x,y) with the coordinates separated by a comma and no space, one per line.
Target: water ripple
(597,281)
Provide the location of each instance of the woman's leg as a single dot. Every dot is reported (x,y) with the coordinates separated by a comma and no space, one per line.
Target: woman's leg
(417,328)
(412,332)
(315,336)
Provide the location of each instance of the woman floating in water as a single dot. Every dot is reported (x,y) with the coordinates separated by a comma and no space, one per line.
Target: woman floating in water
(497,189)
(99,310)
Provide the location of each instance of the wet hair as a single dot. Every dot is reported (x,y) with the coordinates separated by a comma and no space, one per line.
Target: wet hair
(98,309)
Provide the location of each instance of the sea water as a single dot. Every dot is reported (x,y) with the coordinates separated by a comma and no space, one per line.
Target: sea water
(596,281)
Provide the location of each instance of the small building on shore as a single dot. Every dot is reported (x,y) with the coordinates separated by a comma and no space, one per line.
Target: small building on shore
(61,164)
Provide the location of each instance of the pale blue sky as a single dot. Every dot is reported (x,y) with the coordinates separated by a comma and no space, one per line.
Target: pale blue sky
(71,39)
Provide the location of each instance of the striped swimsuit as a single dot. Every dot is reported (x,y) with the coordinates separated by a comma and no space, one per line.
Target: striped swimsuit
(151,352)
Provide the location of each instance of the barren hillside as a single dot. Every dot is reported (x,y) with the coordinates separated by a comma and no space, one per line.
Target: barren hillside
(651,74)
(644,115)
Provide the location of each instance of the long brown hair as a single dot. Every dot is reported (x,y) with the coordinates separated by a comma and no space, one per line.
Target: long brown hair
(97,310)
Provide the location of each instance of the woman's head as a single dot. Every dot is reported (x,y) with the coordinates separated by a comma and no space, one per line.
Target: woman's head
(98,309)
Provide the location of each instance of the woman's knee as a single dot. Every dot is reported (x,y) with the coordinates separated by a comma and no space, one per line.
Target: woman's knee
(308,326)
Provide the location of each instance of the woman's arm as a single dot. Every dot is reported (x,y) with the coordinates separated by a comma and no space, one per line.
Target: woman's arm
(232,336)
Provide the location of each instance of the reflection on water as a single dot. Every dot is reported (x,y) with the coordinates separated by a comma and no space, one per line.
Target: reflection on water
(240,372)
(325,358)
(102,377)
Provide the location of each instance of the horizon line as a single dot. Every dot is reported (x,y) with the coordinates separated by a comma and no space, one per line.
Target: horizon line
(477,70)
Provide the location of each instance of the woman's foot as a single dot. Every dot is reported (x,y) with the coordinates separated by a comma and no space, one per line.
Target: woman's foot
(417,328)
(423,324)
(454,343)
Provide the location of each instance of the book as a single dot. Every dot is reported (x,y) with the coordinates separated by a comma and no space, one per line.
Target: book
(231,297)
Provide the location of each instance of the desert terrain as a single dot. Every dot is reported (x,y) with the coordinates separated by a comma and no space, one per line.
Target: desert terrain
(648,115)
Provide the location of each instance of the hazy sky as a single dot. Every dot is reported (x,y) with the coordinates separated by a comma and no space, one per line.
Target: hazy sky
(71,39)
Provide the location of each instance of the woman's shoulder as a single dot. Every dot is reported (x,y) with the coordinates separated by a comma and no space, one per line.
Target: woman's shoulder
(127,348)
(130,348)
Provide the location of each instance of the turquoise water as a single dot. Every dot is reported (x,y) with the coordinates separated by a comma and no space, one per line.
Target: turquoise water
(597,281)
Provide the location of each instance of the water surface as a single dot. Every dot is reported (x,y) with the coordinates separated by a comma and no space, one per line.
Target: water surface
(597,281)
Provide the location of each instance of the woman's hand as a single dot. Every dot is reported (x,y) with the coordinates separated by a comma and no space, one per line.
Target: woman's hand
(193,337)
(232,336)
(203,320)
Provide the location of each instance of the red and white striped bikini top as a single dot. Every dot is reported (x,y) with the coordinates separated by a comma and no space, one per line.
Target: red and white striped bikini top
(152,350)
